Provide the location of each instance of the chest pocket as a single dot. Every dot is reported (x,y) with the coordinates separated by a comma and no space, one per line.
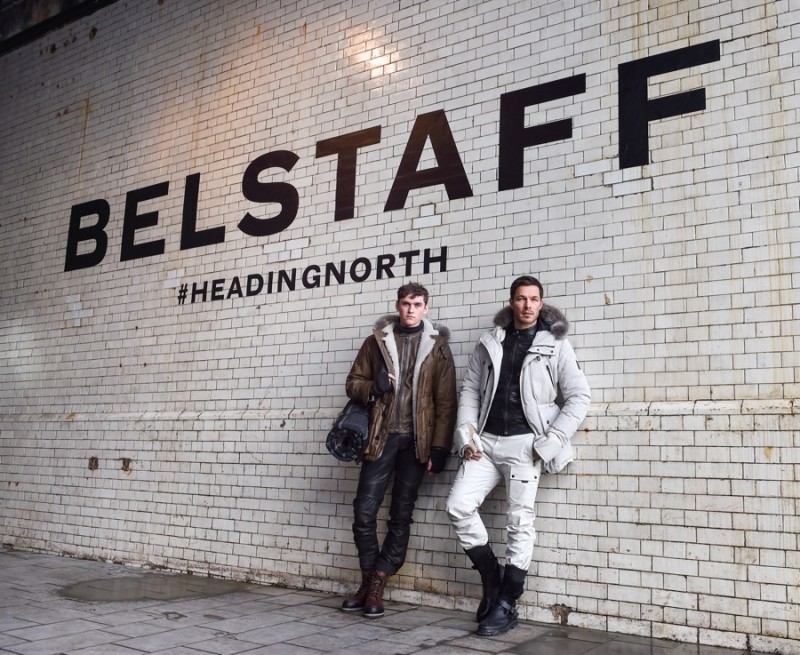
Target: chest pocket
(542,373)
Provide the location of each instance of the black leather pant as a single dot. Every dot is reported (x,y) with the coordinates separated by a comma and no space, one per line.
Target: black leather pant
(398,457)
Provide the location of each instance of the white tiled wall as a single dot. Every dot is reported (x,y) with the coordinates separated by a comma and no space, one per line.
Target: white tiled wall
(680,277)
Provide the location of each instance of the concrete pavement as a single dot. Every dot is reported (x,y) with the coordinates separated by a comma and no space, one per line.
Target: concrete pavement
(51,605)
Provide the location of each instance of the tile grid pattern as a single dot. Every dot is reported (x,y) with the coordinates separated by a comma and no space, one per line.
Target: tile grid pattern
(679,520)
(37,619)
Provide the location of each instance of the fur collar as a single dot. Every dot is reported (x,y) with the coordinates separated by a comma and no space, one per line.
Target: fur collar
(388,319)
(552,317)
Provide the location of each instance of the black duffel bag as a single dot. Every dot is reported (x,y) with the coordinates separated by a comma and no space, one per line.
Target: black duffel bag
(347,439)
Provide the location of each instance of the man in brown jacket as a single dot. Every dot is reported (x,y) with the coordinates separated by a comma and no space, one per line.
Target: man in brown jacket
(405,372)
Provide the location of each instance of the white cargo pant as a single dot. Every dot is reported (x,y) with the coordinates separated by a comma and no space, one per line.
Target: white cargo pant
(504,458)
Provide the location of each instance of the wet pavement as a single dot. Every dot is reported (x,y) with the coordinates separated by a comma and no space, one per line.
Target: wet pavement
(51,605)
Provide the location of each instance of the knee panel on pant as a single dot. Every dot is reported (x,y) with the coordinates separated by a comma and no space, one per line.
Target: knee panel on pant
(402,505)
(457,509)
(365,510)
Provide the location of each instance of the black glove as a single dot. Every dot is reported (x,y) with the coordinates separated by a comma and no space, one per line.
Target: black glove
(438,459)
(382,384)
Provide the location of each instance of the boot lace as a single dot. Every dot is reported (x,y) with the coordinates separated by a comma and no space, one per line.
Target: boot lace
(363,590)
(376,585)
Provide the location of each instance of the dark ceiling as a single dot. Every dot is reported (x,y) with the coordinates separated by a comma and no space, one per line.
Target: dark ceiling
(22,21)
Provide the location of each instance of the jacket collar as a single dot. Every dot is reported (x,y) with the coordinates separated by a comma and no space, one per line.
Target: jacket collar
(552,319)
(384,331)
(387,322)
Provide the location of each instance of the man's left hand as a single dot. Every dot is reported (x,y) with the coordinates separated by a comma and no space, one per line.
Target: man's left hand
(437,460)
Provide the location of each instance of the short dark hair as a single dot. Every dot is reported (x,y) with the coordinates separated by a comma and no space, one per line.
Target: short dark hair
(412,289)
(526,281)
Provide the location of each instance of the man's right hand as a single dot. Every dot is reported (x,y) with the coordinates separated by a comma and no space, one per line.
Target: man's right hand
(381,384)
(472,452)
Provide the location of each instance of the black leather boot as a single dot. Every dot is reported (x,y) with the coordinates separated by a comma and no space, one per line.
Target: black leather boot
(356,602)
(491,572)
(503,615)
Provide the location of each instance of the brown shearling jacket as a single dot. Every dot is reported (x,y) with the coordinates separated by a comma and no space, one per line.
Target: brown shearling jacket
(434,402)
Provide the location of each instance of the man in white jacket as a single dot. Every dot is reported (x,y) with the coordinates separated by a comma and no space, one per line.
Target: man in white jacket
(522,398)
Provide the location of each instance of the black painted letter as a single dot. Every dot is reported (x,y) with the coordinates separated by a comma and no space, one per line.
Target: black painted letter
(449,172)
(133,221)
(190,237)
(346,146)
(281,192)
(636,111)
(515,137)
(95,232)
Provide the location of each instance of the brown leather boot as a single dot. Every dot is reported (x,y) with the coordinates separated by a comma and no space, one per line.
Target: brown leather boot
(356,602)
(373,605)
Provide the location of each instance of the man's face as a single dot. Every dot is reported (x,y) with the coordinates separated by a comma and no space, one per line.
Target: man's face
(526,303)
(411,310)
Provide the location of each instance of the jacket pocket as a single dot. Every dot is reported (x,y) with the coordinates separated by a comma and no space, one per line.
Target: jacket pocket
(550,372)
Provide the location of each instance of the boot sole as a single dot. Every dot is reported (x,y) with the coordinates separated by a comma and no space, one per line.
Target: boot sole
(352,609)
(497,633)
(374,616)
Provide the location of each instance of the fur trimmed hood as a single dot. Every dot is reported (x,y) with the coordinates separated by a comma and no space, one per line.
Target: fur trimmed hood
(553,318)
(386,319)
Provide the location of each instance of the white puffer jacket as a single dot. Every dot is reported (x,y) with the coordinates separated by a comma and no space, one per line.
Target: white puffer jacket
(554,391)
